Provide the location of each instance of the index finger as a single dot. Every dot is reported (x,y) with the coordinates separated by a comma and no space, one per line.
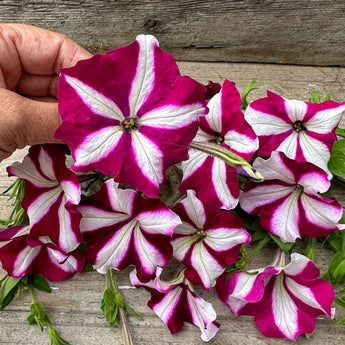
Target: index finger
(35,51)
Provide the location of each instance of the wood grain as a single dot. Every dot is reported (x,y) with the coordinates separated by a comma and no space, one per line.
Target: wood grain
(270,31)
(74,305)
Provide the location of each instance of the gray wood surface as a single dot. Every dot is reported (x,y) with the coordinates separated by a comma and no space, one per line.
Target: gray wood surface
(74,305)
(277,31)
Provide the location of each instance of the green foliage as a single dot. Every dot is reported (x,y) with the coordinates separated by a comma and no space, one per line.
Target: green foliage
(246,91)
(284,246)
(113,304)
(336,163)
(315,97)
(18,216)
(336,269)
(8,289)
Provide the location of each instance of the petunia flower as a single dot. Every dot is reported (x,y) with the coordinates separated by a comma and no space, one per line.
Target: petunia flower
(175,302)
(214,180)
(206,242)
(129,114)
(51,191)
(21,253)
(123,228)
(289,201)
(284,299)
(303,131)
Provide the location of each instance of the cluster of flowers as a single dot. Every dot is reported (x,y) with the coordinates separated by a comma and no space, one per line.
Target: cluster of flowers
(127,116)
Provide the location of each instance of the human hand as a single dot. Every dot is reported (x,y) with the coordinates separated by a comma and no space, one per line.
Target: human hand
(30,59)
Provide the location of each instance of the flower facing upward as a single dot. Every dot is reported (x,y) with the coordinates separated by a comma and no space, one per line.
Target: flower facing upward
(303,131)
(129,114)
(123,228)
(51,193)
(206,241)
(214,180)
(288,201)
(285,299)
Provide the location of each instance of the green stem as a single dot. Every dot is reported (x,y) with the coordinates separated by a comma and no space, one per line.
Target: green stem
(242,262)
(31,290)
(343,243)
(113,283)
(261,244)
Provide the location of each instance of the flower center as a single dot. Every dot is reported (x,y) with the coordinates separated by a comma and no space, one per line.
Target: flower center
(129,124)
(201,234)
(299,189)
(298,126)
(218,139)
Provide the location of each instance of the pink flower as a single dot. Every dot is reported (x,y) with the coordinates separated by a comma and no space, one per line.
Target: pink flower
(51,191)
(289,201)
(129,114)
(284,299)
(123,228)
(214,180)
(303,131)
(21,253)
(206,242)
(175,302)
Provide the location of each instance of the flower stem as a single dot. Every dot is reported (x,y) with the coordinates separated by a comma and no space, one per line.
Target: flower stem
(242,262)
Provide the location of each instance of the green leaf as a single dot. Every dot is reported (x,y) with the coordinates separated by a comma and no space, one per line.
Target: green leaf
(340,132)
(38,310)
(8,291)
(247,89)
(341,321)
(284,246)
(109,306)
(328,97)
(39,283)
(336,163)
(315,97)
(339,272)
(335,239)
(340,302)
(333,265)
(31,319)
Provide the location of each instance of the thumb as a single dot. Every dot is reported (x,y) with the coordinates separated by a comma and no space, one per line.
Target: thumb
(25,121)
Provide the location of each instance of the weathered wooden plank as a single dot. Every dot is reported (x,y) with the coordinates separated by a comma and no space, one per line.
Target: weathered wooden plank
(74,307)
(280,31)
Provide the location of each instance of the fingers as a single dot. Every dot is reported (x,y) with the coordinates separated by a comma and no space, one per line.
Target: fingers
(36,51)
(25,122)
(37,85)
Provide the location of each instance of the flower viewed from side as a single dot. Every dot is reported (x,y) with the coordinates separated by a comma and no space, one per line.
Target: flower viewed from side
(175,302)
(123,228)
(206,242)
(51,193)
(289,201)
(214,180)
(303,131)
(284,299)
(21,253)
(129,114)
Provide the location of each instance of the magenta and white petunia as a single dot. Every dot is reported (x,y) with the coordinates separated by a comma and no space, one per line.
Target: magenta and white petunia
(206,242)
(303,131)
(289,201)
(51,191)
(123,228)
(284,299)
(21,253)
(175,302)
(214,180)
(129,114)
